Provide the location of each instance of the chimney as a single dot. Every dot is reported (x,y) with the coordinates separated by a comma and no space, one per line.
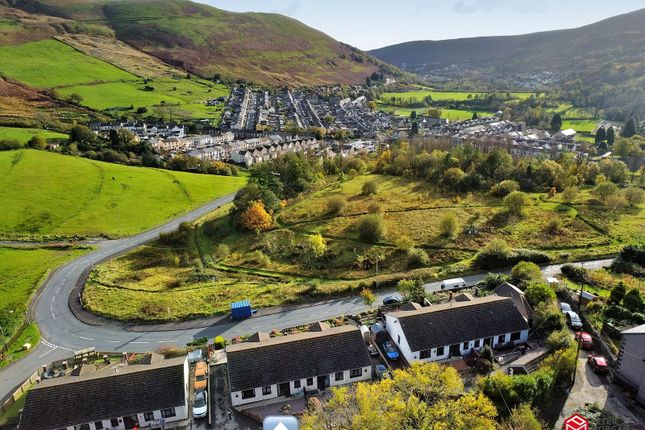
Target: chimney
(259,337)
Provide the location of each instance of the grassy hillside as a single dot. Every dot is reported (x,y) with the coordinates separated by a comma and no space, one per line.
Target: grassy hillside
(22,135)
(21,271)
(220,264)
(264,48)
(91,198)
(55,65)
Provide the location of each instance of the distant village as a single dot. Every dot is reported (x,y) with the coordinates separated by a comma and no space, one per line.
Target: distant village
(258,126)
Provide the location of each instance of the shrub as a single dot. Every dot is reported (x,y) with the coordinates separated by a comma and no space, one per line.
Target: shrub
(504,188)
(352,173)
(37,142)
(152,309)
(516,202)
(540,292)
(604,190)
(369,188)
(493,280)
(497,253)
(9,144)
(559,339)
(449,225)
(258,258)
(525,273)
(371,228)
(547,318)
(554,226)
(617,293)
(570,194)
(404,243)
(221,251)
(336,205)
(374,208)
(574,273)
(417,258)
(219,342)
(633,300)
(634,196)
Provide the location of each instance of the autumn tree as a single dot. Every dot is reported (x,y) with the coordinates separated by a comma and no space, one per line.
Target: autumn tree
(368,297)
(316,245)
(425,396)
(255,217)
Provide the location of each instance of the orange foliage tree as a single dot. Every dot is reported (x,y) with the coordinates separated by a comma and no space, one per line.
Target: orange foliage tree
(255,217)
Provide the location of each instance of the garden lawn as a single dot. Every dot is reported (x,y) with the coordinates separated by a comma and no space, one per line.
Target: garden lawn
(22,135)
(580,125)
(86,197)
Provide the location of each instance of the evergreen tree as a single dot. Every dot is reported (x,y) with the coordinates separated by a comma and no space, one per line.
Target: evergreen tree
(413,115)
(617,293)
(556,122)
(475,115)
(630,128)
(414,130)
(611,136)
(601,135)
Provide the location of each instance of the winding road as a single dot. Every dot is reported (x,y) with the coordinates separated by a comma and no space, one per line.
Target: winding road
(63,333)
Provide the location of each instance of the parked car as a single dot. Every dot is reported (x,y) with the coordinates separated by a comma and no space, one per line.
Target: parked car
(586,342)
(453,284)
(200,404)
(598,363)
(195,356)
(573,319)
(380,371)
(390,350)
(372,349)
(565,307)
(392,300)
(201,376)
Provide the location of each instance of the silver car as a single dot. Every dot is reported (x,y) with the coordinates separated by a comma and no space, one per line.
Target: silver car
(573,319)
(200,404)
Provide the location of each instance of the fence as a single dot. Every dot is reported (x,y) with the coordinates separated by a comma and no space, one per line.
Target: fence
(22,389)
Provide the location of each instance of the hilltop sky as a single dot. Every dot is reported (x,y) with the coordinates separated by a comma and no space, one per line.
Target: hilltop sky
(369,24)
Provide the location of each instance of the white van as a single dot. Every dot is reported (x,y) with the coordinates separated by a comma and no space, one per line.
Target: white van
(453,284)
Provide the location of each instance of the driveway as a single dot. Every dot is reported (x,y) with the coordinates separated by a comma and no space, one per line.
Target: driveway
(592,388)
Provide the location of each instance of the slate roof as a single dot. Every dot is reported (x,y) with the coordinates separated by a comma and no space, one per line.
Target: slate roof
(456,322)
(287,358)
(71,400)
(510,290)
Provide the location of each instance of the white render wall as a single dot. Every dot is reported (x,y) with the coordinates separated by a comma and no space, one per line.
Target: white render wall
(237,400)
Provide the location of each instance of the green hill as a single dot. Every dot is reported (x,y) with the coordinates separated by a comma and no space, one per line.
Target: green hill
(599,64)
(258,47)
(51,194)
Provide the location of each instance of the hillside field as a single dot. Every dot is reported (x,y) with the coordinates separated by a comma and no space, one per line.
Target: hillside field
(421,94)
(21,271)
(86,197)
(201,277)
(103,86)
(22,135)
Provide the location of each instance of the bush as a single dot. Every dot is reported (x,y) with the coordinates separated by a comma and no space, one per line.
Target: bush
(633,300)
(553,227)
(617,293)
(493,280)
(574,273)
(504,188)
(525,273)
(371,228)
(547,318)
(9,144)
(374,208)
(258,258)
(540,292)
(417,258)
(404,243)
(336,205)
(37,142)
(497,253)
(221,251)
(449,225)
(219,342)
(369,188)
(560,339)
(516,202)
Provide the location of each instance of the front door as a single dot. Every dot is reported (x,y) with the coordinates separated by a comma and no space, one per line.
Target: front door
(323,382)
(284,390)
(130,422)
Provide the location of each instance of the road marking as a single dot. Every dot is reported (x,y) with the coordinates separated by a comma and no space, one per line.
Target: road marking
(86,338)
(113,341)
(162,341)
(137,341)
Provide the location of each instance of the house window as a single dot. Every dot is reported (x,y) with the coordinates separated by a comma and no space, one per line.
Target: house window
(425,354)
(310,381)
(98,425)
(148,416)
(168,413)
(464,345)
(114,422)
(266,390)
(296,384)
(444,350)
(515,336)
(339,376)
(82,427)
(398,339)
(480,342)
(355,373)
(248,394)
